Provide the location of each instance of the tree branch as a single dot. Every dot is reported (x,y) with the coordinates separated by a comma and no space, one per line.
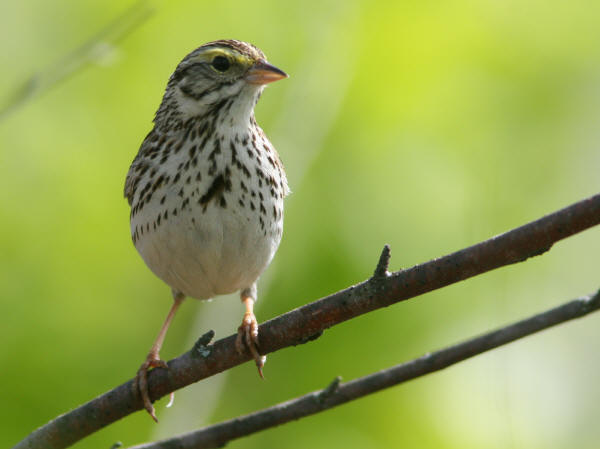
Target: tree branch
(338,393)
(308,322)
(40,83)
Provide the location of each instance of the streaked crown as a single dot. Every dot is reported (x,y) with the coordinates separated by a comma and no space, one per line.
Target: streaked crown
(224,70)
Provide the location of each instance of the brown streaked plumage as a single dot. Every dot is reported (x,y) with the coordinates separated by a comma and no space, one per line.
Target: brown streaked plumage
(206,188)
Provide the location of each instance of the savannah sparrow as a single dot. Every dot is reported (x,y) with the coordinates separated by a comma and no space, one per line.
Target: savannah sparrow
(206,188)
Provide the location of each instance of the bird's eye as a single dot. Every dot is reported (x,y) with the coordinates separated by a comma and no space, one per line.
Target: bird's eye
(220,63)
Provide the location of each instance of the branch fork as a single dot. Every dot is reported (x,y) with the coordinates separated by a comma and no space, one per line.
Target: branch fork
(306,322)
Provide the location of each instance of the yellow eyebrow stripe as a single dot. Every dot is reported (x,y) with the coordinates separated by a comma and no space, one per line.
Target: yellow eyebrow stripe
(210,53)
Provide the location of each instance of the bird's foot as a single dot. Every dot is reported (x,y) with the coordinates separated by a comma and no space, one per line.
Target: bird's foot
(140,382)
(247,337)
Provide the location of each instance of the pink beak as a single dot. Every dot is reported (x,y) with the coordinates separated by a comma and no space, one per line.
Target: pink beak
(264,73)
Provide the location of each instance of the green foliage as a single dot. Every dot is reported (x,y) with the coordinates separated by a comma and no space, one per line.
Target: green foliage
(428,125)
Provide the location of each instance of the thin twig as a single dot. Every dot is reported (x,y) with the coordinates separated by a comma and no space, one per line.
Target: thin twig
(306,322)
(381,270)
(338,393)
(40,83)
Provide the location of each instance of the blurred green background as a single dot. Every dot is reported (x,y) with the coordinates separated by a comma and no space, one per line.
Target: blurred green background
(428,125)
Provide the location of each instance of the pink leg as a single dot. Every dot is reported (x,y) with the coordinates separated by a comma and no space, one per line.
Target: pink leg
(153,359)
(248,331)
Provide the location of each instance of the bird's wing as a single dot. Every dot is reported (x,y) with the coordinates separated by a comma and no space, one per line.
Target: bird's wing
(138,167)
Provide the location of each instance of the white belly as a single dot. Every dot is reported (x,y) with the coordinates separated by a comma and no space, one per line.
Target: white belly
(208,218)
(204,254)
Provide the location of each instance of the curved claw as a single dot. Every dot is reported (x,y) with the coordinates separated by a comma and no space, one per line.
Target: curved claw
(247,338)
(140,382)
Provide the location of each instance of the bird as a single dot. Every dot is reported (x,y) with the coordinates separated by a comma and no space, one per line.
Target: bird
(206,189)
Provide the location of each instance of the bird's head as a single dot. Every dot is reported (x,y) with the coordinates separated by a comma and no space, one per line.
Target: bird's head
(226,73)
